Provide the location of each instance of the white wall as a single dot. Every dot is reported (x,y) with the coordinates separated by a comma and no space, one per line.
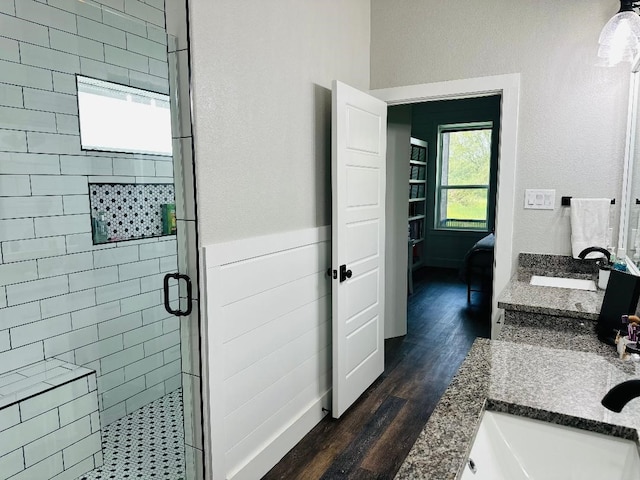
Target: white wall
(262,75)
(396,250)
(572,113)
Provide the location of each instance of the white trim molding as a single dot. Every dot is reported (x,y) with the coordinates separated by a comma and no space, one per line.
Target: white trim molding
(508,86)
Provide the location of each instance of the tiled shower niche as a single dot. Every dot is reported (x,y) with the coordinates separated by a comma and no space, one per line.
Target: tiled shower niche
(131,211)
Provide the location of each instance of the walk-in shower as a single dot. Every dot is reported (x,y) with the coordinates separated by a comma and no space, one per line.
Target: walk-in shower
(99,352)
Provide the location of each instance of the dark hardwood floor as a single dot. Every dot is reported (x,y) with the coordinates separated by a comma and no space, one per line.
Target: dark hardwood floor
(373,437)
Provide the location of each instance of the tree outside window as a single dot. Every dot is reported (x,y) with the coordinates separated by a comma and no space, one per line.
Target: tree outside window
(464,162)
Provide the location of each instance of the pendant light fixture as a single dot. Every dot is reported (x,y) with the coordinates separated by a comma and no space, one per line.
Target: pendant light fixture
(620,37)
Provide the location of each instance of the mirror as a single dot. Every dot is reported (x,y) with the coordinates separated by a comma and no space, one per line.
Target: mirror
(629,237)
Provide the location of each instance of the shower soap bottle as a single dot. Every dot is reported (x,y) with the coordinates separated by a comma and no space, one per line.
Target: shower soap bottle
(100,231)
(168,218)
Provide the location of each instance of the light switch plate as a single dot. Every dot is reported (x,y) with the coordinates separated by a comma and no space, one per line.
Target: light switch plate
(538,199)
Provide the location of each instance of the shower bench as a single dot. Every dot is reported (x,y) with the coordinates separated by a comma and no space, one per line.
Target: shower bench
(49,421)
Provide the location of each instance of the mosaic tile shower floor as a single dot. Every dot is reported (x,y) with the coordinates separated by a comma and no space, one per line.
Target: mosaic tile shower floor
(146,444)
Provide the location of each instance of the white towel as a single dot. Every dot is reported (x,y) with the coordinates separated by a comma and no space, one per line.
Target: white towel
(589,224)
(636,240)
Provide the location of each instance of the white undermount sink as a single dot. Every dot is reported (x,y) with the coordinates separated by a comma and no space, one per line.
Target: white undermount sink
(508,447)
(559,282)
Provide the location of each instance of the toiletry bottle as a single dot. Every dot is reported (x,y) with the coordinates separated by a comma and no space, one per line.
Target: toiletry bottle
(94,229)
(100,231)
(620,264)
(604,271)
(172,219)
(169,224)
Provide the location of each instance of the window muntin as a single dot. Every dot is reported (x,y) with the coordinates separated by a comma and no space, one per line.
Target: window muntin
(118,118)
(464,166)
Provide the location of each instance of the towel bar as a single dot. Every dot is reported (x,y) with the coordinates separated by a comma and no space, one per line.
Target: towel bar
(566,201)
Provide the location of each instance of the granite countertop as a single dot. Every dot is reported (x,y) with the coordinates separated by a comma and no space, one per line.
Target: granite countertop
(580,338)
(521,296)
(552,384)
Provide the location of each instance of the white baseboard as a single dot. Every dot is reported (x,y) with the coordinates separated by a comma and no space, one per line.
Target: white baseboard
(278,448)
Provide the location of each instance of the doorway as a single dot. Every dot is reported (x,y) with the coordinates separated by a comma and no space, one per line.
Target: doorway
(462,138)
(452,195)
(508,86)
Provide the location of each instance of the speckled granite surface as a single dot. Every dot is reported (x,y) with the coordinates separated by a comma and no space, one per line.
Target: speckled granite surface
(521,296)
(547,364)
(584,340)
(561,386)
(543,264)
(563,324)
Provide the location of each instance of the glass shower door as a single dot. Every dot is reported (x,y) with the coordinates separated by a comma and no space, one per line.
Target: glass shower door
(91,222)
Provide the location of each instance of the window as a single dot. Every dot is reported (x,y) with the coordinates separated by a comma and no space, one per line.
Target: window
(118,118)
(464,163)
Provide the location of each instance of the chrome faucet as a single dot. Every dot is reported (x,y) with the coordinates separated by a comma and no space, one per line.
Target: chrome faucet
(621,394)
(601,250)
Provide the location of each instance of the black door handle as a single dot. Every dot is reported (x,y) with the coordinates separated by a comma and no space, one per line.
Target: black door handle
(167,305)
(344,273)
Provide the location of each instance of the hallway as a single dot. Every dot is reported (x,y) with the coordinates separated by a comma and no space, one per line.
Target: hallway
(372,439)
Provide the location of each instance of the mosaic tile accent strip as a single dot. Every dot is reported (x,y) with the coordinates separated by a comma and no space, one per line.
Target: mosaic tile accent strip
(132,211)
(146,444)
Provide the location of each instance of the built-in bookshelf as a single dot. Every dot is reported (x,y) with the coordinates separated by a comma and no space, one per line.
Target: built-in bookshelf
(417,200)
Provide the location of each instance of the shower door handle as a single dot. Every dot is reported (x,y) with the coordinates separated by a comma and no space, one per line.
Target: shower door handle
(167,305)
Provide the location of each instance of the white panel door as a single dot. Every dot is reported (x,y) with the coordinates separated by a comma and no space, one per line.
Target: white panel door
(359,137)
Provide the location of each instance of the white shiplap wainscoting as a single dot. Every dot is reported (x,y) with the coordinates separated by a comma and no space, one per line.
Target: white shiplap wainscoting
(269,323)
